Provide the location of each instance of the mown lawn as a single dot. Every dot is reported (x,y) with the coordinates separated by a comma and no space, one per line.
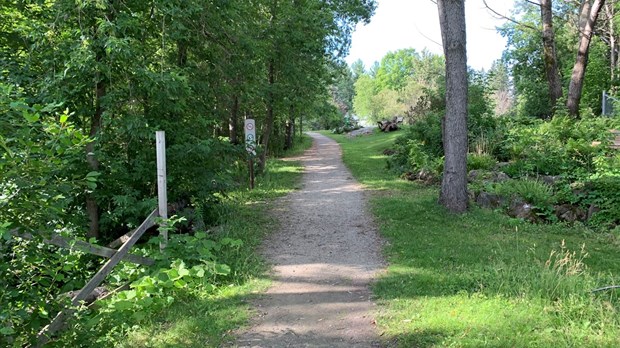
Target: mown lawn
(482,279)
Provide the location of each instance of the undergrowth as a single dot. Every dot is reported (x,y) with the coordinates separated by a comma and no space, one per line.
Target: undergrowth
(197,291)
(483,279)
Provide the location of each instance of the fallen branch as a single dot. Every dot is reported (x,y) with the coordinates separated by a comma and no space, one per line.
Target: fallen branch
(611,287)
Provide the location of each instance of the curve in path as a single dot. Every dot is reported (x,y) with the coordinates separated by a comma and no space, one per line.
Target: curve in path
(324,255)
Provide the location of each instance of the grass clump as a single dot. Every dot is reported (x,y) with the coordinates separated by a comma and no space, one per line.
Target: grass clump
(483,279)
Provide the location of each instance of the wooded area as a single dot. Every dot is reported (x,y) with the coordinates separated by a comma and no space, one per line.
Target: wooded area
(84,85)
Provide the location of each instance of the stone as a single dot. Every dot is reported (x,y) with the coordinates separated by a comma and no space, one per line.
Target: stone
(550,180)
(593,209)
(570,213)
(473,175)
(389,152)
(486,176)
(522,210)
(489,200)
(500,177)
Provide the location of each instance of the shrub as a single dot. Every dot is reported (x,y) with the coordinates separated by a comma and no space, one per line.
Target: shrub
(480,161)
(534,192)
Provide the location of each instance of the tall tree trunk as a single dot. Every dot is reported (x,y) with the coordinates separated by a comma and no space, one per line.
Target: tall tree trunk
(268,128)
(588,17)
(549,53)
(92,208)
(613,58)
(233,121)
(454,183)
(289,129)
(181,53)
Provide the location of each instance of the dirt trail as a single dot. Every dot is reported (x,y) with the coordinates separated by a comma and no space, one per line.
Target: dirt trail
(324,256)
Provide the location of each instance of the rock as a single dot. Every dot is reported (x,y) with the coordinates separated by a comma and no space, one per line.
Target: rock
(409,176)
(500,177)
(98,293)
(500,165)
(489,200)
(362,131)
(570,213)
(593,209)
(473,175)
(494,176)
(389,152)
(427,176)
(550,180)
(522,210)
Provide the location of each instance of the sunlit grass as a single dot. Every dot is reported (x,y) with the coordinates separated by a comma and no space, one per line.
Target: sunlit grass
(482,279)
(207,319)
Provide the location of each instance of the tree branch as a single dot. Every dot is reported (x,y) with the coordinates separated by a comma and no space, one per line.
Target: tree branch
(511,19)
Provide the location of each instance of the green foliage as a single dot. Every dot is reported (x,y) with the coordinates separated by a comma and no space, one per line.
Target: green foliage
(32,277)
(403,80)
(534,192)
(480,161)
(39,164)
(561,145)
(450,276)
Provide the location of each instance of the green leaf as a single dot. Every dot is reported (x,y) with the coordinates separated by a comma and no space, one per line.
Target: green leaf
(7,330)
(222,269)
(183,272)
(63,118)
(122,305)
(199,271)
(5,147)
(31,117)
(180,284)
(130,294)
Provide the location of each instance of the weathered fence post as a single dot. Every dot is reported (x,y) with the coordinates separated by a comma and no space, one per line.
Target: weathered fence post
(162,195)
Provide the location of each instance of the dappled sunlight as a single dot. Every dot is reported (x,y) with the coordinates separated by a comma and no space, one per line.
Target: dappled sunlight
(324,255)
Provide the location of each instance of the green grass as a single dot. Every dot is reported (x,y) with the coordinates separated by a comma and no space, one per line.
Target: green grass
(482,279)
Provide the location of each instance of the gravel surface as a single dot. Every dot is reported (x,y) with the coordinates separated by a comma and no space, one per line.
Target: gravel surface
(324,256)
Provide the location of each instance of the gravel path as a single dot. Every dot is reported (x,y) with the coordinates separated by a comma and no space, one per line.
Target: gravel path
(324,255)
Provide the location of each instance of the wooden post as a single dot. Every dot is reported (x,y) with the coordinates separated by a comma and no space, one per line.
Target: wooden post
(162,195)
(251,162)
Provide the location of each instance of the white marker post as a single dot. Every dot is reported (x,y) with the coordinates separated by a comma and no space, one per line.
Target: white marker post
(162,187)
(250,145)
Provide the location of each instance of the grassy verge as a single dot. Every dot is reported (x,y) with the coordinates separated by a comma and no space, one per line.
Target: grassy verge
(205,319)
(482,279)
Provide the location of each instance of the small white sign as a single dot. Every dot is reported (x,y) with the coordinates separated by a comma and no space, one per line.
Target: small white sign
(250,136)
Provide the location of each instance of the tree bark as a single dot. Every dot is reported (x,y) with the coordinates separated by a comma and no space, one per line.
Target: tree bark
(233,121)
(271,75)
(549,53)
(453,193)
(613,58)
(268,128)
(92,208)
(290,129)
(588,17)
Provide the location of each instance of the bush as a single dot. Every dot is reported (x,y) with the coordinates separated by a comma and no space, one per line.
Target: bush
(480,161)
(534,192)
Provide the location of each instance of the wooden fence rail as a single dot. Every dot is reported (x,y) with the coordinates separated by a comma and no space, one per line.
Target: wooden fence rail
(73,244)
(46,333)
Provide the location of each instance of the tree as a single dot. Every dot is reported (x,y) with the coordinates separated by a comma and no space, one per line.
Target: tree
(587,19)
(453,193)
(549,52)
